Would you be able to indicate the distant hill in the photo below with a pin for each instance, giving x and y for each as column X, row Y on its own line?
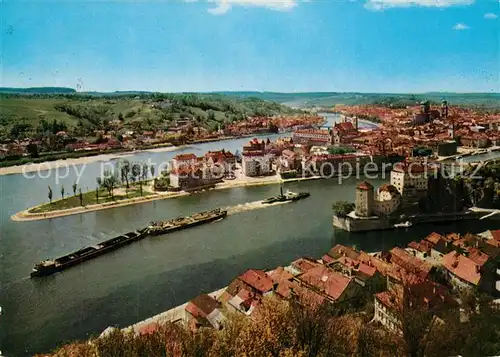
column 329, row 99
column 37, row 90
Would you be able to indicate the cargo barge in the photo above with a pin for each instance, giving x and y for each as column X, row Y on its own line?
column 49, row 267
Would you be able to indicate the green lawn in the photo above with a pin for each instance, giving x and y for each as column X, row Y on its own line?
column 88, row 198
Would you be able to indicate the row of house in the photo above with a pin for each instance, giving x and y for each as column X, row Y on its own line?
column 187, row 171
column 424, row 276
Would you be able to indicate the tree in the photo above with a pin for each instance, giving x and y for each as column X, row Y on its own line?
column 50, row 194
column 125, row 171
column 32, row 149
column 145, row 170
column 136, row 172
column 342, row 208
column 74, row 188
column 109, row 182
column 62, row 192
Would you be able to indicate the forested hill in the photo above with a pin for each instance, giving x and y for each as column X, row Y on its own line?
column 38, row 90
column 138, row 111
column 329, row 99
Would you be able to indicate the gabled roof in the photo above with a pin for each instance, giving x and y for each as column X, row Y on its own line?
column 305, row 264
column 202, row 305
column 258, row 280
column 280, row 274
column 364, row 185
column 410, row 263
column 434, row 238
column 185, row 157
column 327, row 281
column 462, row 267
column 343, row 250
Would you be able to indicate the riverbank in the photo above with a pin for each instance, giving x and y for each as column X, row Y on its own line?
column 84, row 160
column 375, row 223
column 26, row 215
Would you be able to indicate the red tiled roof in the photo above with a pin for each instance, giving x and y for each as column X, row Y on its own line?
column 410, row 263
column 364, row 185
column 495, row 234
column 202, row 305
column 326, row 280
column 344, row 126
column 462, row 267
column 358, row 266
column 423, row 246
column 477, row 256
column 258, row 280
column 434, row 238
column 280, row 274
column 305, row 264
column 342, row 250
column 149, row 328
column 185, row 157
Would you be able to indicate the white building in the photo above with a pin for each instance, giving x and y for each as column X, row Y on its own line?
column 388, row 200
column 409, row 177
column 257, row 164
column 183, row 161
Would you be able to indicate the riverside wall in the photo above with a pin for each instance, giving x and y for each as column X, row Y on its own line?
column 379, row 223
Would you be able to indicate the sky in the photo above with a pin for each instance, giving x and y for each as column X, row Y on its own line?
column 391, row 46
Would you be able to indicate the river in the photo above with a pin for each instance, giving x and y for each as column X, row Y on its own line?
column 155, row 274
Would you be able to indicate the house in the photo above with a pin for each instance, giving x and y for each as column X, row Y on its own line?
column 224, row 158
column 344, row 132
column 469, row 272
column 343, row 251
column 365, row 274
column 439, row 245
column 183, row 161
column 312, row 137
column 427, row 296
column 256, row 164
column 410, row 264
column 289, row 160
column 204, row 311
column 244, row 293
column 388, row 200
column 332, row 285
column 421, row 249
column 303, row 265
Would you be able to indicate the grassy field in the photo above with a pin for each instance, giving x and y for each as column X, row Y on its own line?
column 88, row 198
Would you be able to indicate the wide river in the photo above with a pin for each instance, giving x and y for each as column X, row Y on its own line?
column 155, row 274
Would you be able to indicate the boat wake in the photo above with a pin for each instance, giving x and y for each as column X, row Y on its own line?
column 250, row 206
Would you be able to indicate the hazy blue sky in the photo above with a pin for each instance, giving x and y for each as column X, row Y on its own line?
column 280, row 45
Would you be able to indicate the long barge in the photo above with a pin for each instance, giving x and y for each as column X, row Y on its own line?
column 49, row 267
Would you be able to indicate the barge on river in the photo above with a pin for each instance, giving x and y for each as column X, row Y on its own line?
column 48, row 267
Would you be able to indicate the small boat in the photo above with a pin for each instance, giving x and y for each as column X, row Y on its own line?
column 403, row 225
column 284, row 197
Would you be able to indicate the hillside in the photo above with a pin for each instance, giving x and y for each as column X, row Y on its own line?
column 139, row 111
